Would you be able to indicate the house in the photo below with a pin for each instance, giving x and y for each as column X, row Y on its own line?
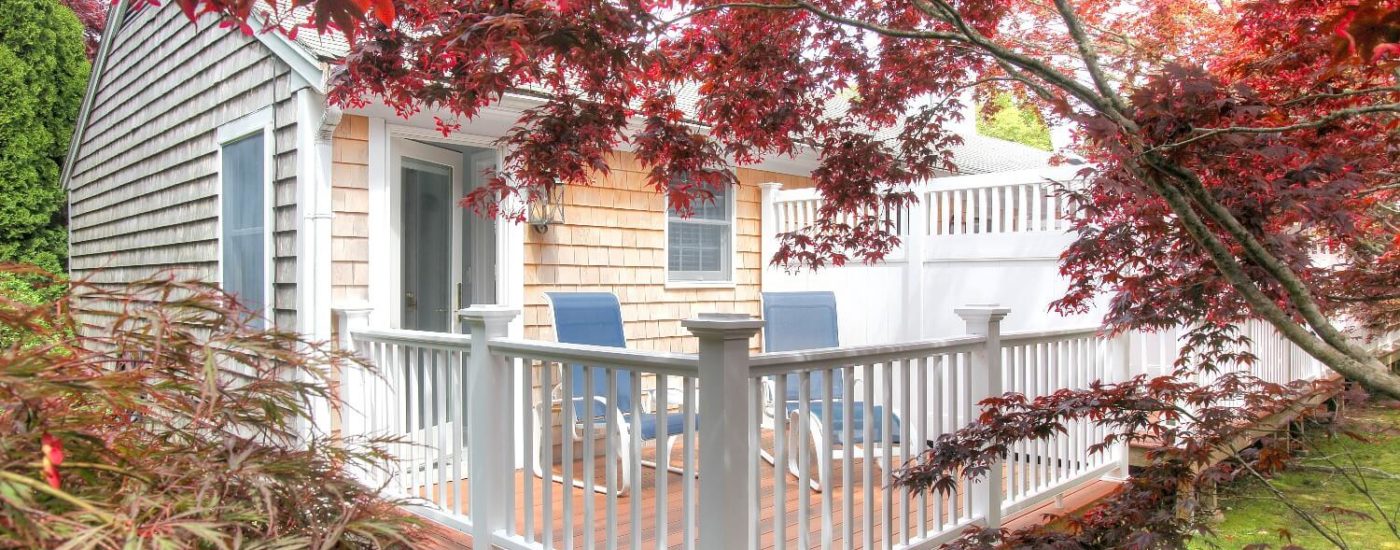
column 215, row 155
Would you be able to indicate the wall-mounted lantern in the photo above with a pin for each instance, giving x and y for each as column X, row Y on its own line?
column 546, row 209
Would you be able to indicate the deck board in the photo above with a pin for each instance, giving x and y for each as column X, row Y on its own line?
column 904, row 524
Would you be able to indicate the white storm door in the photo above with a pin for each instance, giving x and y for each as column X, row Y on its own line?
column 429, row 225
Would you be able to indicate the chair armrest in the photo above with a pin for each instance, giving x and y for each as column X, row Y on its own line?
column 674, row 397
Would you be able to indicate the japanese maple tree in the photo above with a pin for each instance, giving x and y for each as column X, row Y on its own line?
column 1243, row 153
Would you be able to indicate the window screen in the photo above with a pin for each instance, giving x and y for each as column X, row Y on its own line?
column 698, row 247
column 244, row 222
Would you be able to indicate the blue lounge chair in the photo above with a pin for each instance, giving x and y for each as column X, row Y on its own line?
column 804, row 321
column 595, row 318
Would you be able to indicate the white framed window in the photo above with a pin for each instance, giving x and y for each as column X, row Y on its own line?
column 245, row 212
column 700, row 248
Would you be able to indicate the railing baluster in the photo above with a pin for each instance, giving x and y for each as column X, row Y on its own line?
column 590, row 455
column 755, row 397
column 867, row 448
column 688, row 503
column 507, row 471
column 610, row 442
column 828, row 446
column 804, row 458
column 546, row 467
column 527, row 419
column 568, row 427
column 906, row 446
column 635, row 450
column 663, row 463
column 927, row 373
column 780, row 461
column 1013, row 383
column 886, row 437
column 848, row 395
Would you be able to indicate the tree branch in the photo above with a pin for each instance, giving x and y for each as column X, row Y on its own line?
column 1339, row 95
column 1316, row 123
column 1293, row 285
column 1089, row 56
column 729, row 5
column 1373, row 378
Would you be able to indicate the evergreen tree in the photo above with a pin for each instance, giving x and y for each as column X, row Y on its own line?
column 43, row 74
column 1007, row 119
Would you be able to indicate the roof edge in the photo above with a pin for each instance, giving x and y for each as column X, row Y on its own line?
column 305, row 65
column 104, row 47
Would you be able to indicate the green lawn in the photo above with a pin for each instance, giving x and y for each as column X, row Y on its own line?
column 1252, row 515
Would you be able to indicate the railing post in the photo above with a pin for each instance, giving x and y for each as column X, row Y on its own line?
column 489, row 437
column 725, row 453
column 352, row 381
column 985, row 377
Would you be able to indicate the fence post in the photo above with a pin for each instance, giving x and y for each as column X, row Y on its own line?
column 725, row 452
column 768, row 224
column 489, row 436
column 985, row 376
column 914, row 267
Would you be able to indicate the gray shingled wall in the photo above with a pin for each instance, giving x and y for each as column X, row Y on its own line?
column 144, row 183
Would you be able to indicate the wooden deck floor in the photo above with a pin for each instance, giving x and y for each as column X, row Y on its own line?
column 907, row 517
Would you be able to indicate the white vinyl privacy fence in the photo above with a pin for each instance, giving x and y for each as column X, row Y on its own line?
column 988, row 238
column 532, row 444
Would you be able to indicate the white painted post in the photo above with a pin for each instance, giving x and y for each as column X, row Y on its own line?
column 352, row 395
column 985, row 376
column 768, row 221
column 491, row 468
column 914, row 268
column 725, row 449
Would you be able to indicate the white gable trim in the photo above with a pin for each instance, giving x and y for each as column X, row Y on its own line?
column 114, row 18
column 305, row 66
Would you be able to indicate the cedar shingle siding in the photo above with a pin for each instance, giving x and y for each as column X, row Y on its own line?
column 144, row 182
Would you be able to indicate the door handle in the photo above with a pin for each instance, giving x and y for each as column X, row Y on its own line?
column 460, row 303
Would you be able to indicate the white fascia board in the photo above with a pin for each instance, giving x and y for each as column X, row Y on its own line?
column 309, row 70
column 114, row 17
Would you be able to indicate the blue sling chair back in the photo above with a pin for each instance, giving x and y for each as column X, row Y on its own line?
column 804, row 321
column 595, row 318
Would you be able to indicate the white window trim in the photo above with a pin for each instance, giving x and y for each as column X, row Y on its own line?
column 260, row 121
column 732, row 280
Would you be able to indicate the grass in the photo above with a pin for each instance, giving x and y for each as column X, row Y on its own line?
column 1253, row 516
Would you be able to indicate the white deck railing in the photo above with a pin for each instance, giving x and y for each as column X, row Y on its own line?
column 534, row 444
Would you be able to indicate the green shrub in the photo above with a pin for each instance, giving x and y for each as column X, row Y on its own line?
column 164, row 422
column 43, row 75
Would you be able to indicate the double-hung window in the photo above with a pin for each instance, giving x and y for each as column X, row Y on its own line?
column 243, row 217
column 699, row 248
